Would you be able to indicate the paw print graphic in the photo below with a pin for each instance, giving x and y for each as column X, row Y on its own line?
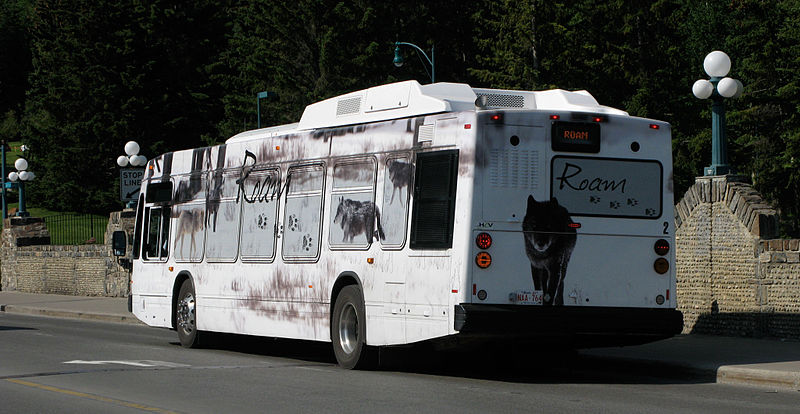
column 614, row 204
column 262, row 221
column 594, row 200
column 307, row 242
column 633, row 202
column 650, row 212
column 294, row 223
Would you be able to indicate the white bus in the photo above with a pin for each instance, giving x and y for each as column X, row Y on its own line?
column 406, row 213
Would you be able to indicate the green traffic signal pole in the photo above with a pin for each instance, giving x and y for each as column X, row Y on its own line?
column 719, row 143
column 398, row 58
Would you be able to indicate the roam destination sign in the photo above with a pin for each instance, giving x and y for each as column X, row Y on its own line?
column 130, row 181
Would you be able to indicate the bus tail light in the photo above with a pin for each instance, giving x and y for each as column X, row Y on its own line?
column 661, row 265
column 654, row 126
column 484, row 241
column 497, row 118
column 661, row 247
column 483, row 260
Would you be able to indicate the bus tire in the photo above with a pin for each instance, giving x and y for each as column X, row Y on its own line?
column 186, row 316
column 349, row 332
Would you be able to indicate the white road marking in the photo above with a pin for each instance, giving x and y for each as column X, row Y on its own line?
column 139, row 363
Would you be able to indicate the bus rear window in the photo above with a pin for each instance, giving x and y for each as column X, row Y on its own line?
column 607, row 187
column 159, row 192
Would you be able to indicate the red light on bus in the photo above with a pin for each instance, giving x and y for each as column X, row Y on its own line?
column 574, row 225
column 661, row 247
column 496, row 117
column 484, row 241
column 555, row 117
column 467, row 126
column 599, row 119
column 654, row 126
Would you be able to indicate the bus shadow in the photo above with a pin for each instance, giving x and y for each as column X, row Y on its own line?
column 542, row 365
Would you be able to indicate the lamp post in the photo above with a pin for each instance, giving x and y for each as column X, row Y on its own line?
column 398, row 57
column 717, row 64
column 20, row 177
column 134, row 160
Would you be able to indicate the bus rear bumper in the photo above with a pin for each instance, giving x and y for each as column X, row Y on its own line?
column 576, row 326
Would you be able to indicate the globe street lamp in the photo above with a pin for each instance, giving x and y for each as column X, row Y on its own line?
column 133, row 158
column 20, row 177
column 717, row 65
column 398, row 57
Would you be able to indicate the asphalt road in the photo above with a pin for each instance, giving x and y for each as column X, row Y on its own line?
column 65, row 366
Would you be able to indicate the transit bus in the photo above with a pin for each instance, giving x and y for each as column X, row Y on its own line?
column 406, row 213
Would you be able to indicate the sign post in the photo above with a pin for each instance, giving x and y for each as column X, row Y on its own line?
column 130, row 182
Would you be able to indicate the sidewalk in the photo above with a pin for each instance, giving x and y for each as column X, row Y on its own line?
column 756, row 362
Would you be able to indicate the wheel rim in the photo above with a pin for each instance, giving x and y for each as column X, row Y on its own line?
column 348, row 328
column 186, row 314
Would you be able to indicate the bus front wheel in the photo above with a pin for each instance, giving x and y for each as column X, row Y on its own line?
column 348, row 332
column 186, row 315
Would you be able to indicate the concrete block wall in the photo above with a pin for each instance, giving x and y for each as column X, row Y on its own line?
column 734, row 278
column 82, row 270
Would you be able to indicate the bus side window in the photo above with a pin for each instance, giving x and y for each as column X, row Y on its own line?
column 259, row 194
column 432, row 217
column 301, row 220
column 396, row 185
column 222, row 209
column 353, row 217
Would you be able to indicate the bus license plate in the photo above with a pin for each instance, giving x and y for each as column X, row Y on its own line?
column 527, row 297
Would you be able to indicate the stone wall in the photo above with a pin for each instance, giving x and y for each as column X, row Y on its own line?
column 83, row 270
column 733, row 277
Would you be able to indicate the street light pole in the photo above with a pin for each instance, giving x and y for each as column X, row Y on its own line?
column 717, row 64
column 398, row 57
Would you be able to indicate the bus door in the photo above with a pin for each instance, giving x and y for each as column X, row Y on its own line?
column 156, row 232
column 513, row 169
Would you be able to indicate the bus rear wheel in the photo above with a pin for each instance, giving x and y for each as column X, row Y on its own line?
column 349, row 332
column 186, row 316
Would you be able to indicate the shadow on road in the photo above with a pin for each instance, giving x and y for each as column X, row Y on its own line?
column 495, row 363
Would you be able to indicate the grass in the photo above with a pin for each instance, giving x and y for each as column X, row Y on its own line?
column 71, row 228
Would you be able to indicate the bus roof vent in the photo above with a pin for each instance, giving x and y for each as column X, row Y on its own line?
column 348, row 106
column 498, row 100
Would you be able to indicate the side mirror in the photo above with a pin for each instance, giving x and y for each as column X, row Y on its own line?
column 119, row 243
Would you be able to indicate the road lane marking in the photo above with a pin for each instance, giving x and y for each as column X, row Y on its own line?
column 138, row 363
column 89, row 396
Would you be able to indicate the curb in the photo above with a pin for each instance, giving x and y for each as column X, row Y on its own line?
column 102, row 317
column 738, row 375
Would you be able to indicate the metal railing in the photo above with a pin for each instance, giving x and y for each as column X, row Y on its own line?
column 71, row 229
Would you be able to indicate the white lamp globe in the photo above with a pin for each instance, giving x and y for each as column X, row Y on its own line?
column 739, row 88
column 131, row 148
column 727, row 87
column 13, row 176
column 24, row 175
column 31, row 175
column 20, row 164
column 138, row 160
column 702, row 89
column 122, row 161
column 717, row 64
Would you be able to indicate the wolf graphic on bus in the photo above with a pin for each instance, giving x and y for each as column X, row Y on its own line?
column 549, row 241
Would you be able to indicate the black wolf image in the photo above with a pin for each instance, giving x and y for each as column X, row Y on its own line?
column 358, row 217
column 400, row 176
column 549, row 241
column 190, row 222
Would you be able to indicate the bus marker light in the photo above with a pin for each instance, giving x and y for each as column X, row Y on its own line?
column 555, row 117
column 483, row 260
column 467, row 126
column 311, row 286
column 484, row 241
column 370, row 260
column 170, row 268
column 574, row 225
column 454, row 290
column 277, row 148
column 667, row 294
column 497, row 117
column 661, row 265
column 661, row 247
column 474, row 288
column 654, row 126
